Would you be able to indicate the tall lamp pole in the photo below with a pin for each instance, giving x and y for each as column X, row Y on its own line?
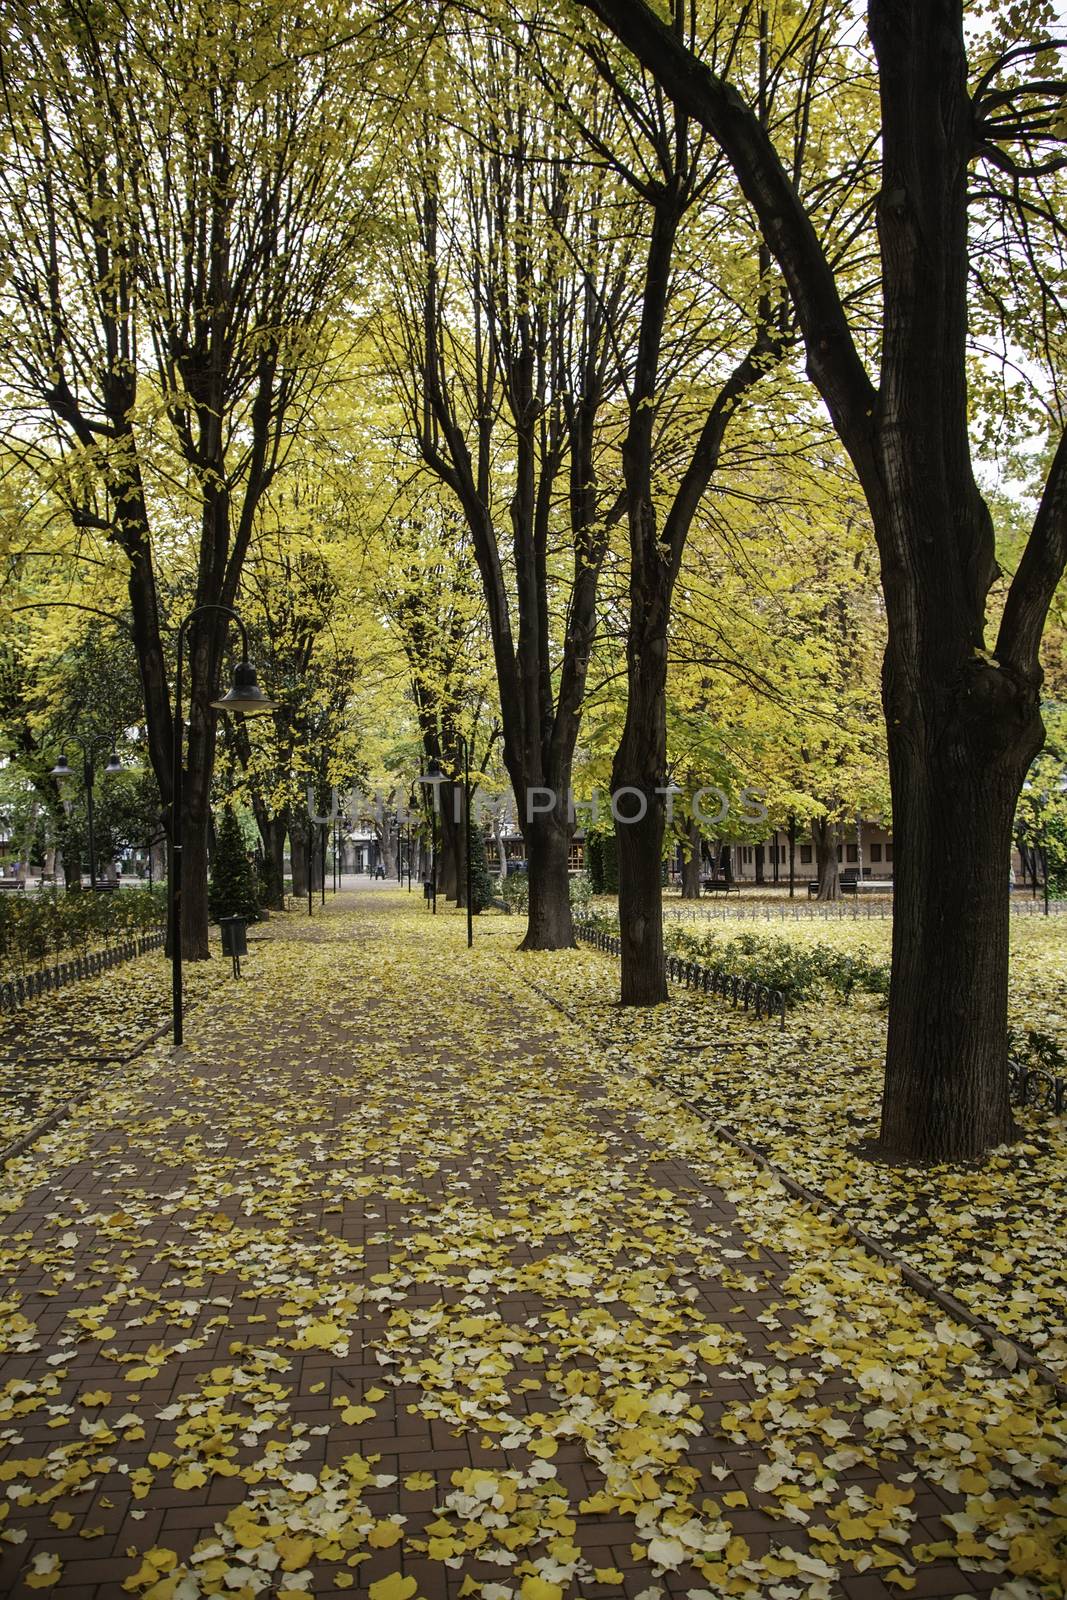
column 62, row 771
column 244, row 695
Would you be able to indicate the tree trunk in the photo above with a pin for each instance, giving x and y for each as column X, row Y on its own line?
column 946, row 1083
column 550, row 925
column 760, row 875
column 824, row 836
column 157, row 856
column 454, row 837
column 69, row 850
column 498, row 836
column 195, row 945
column 298, row 860
column 272, row 831
column 640, row 765
column 388, row 847
column 644, row 972
column 447, row 866
column 274, row 856
column 692, row 864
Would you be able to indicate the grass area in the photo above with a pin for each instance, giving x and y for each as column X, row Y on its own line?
column 990, row 1234
column 57, row 1046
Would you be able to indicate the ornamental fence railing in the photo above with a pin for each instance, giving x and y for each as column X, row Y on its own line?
column 1037, row 1087
column 827, row 911
column 744, row 992
column 15, row 992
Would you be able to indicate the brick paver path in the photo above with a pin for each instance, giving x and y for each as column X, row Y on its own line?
column 393, row 1283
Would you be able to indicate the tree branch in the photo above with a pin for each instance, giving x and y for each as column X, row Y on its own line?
column 1038, row 574
column 832, row 358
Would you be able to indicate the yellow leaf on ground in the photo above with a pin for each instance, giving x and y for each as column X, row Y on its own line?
column 394, row 1587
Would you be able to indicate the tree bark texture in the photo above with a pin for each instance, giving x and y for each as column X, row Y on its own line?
column 298, row 859
column 825, row 835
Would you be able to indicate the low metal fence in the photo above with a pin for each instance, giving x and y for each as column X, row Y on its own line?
column 744, row 992
column 784, row 911
column 1037, row 1087
column 17, row 991
column 848, row 910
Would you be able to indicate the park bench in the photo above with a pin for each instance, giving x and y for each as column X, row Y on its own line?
column 851, row 884
column 12, row 883
column 718, row 886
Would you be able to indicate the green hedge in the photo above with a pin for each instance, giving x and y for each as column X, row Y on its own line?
column 602, row 863
column 39, row 929
column 801, row 972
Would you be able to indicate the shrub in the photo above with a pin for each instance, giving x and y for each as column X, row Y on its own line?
column 799, row 971
column 581, row 891
column 482, row 891
column 602, row 863
column 233, row 890
column 38, row 929
column 517, row 892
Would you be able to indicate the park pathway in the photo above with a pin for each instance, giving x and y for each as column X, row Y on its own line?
column 394, row 1283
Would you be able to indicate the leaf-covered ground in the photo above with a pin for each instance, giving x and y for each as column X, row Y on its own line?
column 992, row 1235
column 397, row 1282
column 56, row 1047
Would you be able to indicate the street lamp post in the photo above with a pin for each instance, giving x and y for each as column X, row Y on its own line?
column 244, row 695
column 63, row 771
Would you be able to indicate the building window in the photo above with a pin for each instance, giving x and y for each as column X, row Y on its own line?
column 852, row 852
column 839, row 852
column 805, row 855
column 746, row 853
column 876, row 852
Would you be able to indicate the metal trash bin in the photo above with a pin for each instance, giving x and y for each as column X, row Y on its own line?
column 234, row 932
column 427, row 889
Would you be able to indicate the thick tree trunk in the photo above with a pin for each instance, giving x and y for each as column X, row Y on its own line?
column 956, row 767
column 760, row 862
column 824, row 836
column 195, row 945
column 644, row 972
column 691, row 867
column 550, row 925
